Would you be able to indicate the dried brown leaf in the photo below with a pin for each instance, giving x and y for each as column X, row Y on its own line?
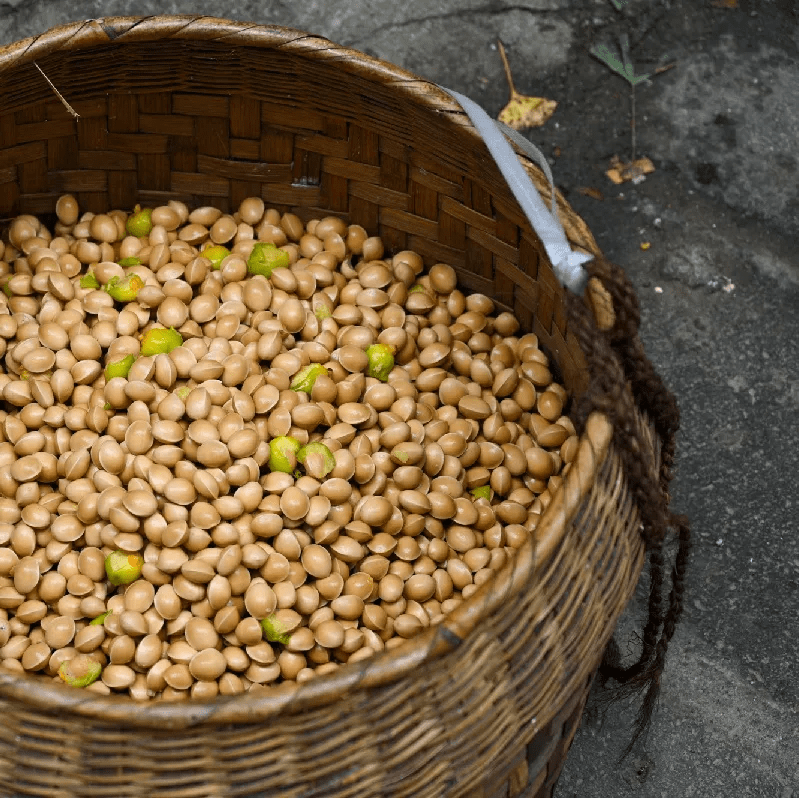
column 590, row 191
column 621, row 172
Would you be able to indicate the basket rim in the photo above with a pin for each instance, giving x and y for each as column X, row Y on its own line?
column 85, row 34
column 388, row 666
column 90, row 33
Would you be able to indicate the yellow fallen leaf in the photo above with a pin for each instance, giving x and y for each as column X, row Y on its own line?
column 523, row 112
column 645, row 245
column 621, row 172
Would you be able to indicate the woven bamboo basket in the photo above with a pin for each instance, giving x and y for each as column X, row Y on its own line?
column 210, row 112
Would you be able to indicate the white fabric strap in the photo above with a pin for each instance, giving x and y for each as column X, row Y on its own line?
column 566, row 262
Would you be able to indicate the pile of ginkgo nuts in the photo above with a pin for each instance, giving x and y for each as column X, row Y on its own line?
column 239, row 450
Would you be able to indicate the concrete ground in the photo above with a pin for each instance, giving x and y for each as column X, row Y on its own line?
column 719, row 285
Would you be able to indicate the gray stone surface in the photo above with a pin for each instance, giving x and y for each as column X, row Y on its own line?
column 719, row 287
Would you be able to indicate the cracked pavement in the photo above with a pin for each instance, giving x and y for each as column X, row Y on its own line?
column 719, row 289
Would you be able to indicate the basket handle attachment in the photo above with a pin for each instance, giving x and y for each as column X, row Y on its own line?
column 622, row 377
column 566, row 262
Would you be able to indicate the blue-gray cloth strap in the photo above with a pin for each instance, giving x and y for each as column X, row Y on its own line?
column 566, row 262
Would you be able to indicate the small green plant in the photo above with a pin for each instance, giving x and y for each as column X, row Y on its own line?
column 623, row 67
column 618, row 4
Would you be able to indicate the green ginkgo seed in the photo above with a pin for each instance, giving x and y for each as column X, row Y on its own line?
column 265, row 258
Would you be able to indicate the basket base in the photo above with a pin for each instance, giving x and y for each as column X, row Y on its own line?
column 537, row 768
column 544, row 765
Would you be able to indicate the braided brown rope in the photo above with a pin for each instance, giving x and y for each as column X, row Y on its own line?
column 616, row 359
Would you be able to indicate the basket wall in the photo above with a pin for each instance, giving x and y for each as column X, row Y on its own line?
column 211, row 112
